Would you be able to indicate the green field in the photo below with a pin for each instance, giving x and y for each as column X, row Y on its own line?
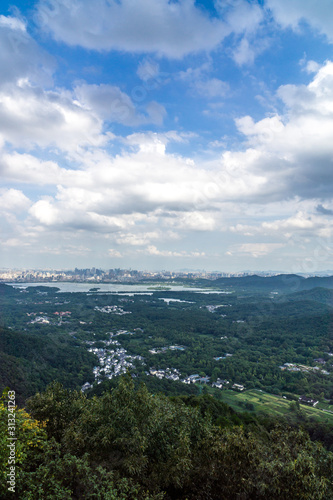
column 271, row 404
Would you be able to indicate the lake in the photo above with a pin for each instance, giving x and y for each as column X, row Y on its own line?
column 122, row 288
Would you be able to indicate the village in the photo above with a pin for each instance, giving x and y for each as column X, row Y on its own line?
column 114, row 361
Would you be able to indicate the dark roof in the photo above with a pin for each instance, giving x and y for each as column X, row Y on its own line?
column 306, row 399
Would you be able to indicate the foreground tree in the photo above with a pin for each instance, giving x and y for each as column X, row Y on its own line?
column 130, row 444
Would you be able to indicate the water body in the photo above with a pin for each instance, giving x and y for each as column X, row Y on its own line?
column 175, row 300
column 120, row 288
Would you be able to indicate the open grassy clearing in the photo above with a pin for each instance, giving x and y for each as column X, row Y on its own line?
column 271, row 404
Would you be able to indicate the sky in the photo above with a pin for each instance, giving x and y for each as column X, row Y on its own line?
column 158, row 134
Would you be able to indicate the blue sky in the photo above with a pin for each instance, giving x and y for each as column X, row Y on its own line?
column 159, row 134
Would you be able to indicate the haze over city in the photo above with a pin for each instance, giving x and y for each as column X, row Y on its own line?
column 167, row 135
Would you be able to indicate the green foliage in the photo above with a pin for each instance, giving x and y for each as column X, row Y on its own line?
column 43, row 468
column 28, row 362
column 67, row 476
column 161, row 445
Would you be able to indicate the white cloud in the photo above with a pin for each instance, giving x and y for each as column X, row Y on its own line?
column 20, row 55
column 15, row 242
column 200, row 82
column 294, row 222
column 123, row 198
column 212, row 87
column 12, row 23
column 45, row 212
column 114, row 253
column 291, row 13
column 145, row 184
column 295, row 149
column 68, row 215
column 244, row 53
column 248, row 49
column 254, row 249
column 31, row 116
column 110, row 103
column 138, row 239
column 192, row 221
column 245, row 20
column 311, row 66
column 172, row 29
column 194, row 74
column 148, row 70
column 13, row 200
column 152, row 250
column 240, row 15
column 300, row 221
column 64, row 249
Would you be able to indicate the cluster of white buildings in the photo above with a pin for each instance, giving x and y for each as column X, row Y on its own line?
column 192, row 379
column 168, row 373
column 171, row 348
column 112, row 310
column 220, row 383
column 112, row 362
column 42, row 320
column 293, row 367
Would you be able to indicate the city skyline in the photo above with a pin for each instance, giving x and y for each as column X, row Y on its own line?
column 118, row 275
column 167, row 135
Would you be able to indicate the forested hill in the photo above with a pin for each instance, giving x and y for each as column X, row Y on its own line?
column 28, row 362
column 318, row 294
column 130, row 444
column 287, row 283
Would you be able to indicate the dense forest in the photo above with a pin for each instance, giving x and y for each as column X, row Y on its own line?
column 131, row 444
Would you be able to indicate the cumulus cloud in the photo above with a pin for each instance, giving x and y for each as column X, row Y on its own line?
column 245, row 20
column 20, row 55
column 131, row 194
column 13, row 200
column 171, row 29
column 152, row 250
column 254, row 249
column 70, row 216
column 193, row 221
column 287, row 155
column 300, row 222
column 317, row 14
column 30, row 116
column 295, row 149
column 145, row 184
column 242, row 17
column 138, row 239
column 247, row 50
column 123, row 197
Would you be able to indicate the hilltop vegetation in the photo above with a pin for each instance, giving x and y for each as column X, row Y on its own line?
column 131, row 444
column 30, row 361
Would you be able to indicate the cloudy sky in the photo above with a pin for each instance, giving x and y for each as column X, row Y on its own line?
column 158, row 134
